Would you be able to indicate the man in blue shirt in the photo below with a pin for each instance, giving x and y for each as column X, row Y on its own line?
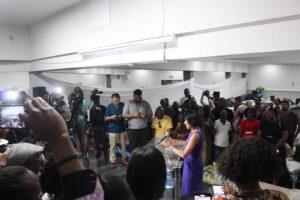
column 116, row 129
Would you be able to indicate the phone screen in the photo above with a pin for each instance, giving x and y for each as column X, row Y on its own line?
column 202, row 198
column 9, row 116
column 218, row 191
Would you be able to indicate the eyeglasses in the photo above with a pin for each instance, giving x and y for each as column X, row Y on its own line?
column 159, row 124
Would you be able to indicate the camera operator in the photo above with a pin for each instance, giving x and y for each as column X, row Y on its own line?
column 188, row 103
column 210, row 102
column 57, row 102
column 79, row 107
column 97, row 121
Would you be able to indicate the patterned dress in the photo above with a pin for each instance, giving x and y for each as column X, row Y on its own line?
column 193, row 167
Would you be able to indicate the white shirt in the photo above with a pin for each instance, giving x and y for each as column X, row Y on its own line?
column 222, row 135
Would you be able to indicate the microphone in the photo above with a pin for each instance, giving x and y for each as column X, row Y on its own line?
column 165, row 137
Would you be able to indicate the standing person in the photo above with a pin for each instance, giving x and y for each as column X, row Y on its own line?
column 164, row 103
column 116, row 129
column 219, row 106
column 137, row 111
column 193, row 154
column 258, row 108
column 162, row 124
column 249, row 127
column 78, row 101
column 175, row 113
column 290, row 121
column 188, row 103
column 275, row 135
column 222, row 127
column 97, row 120
column 209, row 137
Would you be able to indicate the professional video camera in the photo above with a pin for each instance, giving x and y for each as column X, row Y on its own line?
column 56, row 101
column 94, row 94
column 75, row 99
column 206, row 93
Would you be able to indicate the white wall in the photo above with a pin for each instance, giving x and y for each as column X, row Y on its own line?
column 14, row 43
column 14, row 80
column 278, row 80
column 208, row 78
column 133, row 79
column 146, row 78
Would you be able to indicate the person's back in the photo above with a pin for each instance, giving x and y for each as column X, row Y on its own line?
column 146, row 173
column 18, row 183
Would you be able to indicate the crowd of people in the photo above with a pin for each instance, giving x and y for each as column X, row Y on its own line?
column 249, row 143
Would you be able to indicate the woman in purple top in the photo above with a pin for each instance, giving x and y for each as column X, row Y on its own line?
column 193, row 154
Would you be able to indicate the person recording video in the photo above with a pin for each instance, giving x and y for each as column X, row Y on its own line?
column 57, row 102
column 79, row 108
column 206, row 100
column 97, row 121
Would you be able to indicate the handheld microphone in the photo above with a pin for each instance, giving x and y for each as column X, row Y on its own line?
column 165, row 137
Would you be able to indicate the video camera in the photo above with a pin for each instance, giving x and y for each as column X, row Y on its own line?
column 95, row 93
column 56, row 101
column 206, row 93
column 75, row 98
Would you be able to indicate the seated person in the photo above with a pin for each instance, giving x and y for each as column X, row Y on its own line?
column 146, row 173
column 246, row 162
column 162, row 124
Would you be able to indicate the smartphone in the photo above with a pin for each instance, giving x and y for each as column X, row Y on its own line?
column 218, row 191
column 9, row 116
column 202, row 196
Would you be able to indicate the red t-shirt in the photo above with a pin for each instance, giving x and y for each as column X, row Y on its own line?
column 249, row 128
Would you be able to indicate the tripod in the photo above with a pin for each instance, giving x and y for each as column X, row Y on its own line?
column 79, row 133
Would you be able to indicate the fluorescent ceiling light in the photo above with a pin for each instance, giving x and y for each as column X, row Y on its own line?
column 138, row 43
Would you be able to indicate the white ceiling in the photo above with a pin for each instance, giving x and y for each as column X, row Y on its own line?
column 288, row 58
column 26, row 12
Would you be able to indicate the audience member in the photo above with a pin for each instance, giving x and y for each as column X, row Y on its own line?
column 273, row 133
column 209, row 137
column 164, row 103
column 290, row 121
column 188, row 103
column 249, row 127
column 115, row 188
column 208, row 102
column 138, row 112
column 162, row 124
column 116, row 129
column 219, row 106
column 175, row 114
column 258, row 108
column 221, row 140
column 180, row 132
column 146, row 173
column 19, row 183
column 26, row 155
column 193, row 154
column 77, row 181
column 246, row 162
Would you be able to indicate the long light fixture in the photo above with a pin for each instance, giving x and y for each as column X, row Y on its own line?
column 137, row 43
